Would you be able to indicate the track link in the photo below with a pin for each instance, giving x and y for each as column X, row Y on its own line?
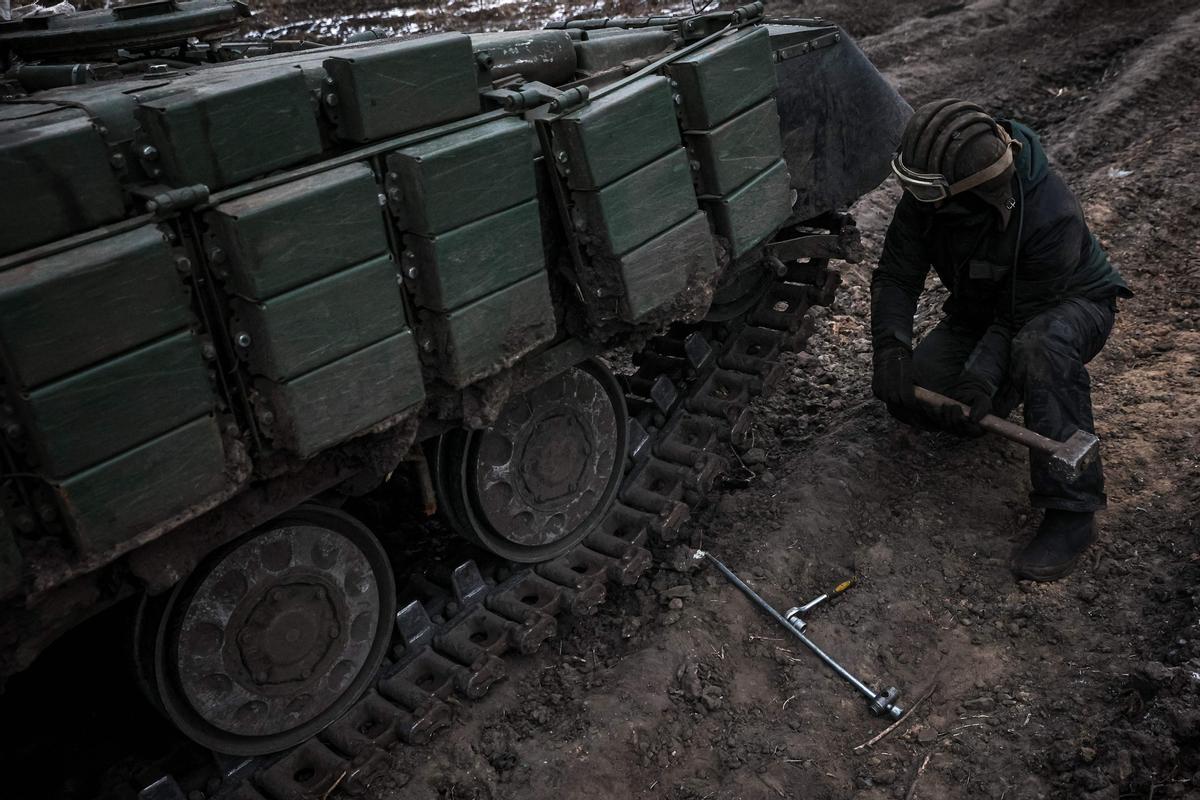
column 688, row 400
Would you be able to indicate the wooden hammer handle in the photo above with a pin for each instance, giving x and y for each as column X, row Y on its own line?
column 990, row 422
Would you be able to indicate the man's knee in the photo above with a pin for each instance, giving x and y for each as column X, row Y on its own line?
column 1045, row 348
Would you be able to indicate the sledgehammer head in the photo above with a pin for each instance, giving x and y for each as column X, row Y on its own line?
column 1073, row 456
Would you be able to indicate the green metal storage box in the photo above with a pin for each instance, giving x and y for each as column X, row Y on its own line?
column 49, row 163
column 482, row 337
column 617, row 133
column 92, row 415
column 220, row 129
column 386, row 89
column 67, row 311
column 753, row 212
column 725, row 78
column 738, row 150
column 665, row 268
column 639, row 206
column 464, row 264
column 451, row 180
column 300, row 330
column 281, row 238
column 347, row 396
column 145, row 486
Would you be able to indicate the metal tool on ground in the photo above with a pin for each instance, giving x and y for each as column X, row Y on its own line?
column 820, row 599
column 880, row 703
column 1068, row 458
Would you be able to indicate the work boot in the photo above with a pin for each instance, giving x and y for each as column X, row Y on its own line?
column 1060, row 541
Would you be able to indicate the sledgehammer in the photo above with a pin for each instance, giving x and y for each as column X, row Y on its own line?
column 1067, row 458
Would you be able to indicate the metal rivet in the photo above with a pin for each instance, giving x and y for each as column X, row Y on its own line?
column 149, row 152
column 242, row 339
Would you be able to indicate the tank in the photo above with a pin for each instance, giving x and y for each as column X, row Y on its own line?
column 261, row 300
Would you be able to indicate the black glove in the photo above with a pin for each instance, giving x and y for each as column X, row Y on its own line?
column 972, row 391
column 893, row 379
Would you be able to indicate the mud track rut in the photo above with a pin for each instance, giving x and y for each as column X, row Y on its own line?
column 688, row 399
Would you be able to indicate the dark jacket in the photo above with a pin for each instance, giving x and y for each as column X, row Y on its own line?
column 973, row 254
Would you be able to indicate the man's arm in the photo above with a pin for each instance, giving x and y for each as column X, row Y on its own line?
column 899, row 279
column 1050, row 251
column 895, row 287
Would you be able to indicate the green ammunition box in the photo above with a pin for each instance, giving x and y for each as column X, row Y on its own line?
column 70, row 310
column 664, row 268
column 386, row 89
column 609, row 48
column 123, row 496
column 639, row 206
column 281, row 238
column 347, row 396
column 735, row 151
column 725, row 78
column 615, row 134
column 467, row 263
column 94, row 414
column 452, row 180
column 300, row 330
column 49, row 163
column 221, row 132
column 753, row 212
column 491, row 333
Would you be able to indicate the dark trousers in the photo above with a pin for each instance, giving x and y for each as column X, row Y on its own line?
column 1046, row 374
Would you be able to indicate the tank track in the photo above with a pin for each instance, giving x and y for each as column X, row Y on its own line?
column 689, row 396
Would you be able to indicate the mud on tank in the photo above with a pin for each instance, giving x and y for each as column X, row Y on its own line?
column 247, row 288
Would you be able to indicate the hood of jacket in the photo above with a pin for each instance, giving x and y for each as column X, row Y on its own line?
column 1031, row 162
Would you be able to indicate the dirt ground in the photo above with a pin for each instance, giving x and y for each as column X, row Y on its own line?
column 1089, row 687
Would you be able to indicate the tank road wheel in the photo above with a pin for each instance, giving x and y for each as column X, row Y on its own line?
column 737, row 291
column 275, row 635
column 531, row 486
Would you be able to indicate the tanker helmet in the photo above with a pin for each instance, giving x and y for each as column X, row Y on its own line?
column 951, row 146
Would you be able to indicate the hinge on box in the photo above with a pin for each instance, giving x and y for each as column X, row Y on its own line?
column 162, row 201
column 532, row 95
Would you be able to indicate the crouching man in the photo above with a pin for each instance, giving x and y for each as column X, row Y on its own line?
column 1032, row 300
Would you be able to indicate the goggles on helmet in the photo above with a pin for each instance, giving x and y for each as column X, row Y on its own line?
column 930, row 188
